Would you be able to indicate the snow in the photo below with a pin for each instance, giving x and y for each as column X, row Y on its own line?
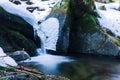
column 50, row 32
column 41, row 10
column 17, row 10
column 31, row 18
column 110, row 18
column 4, row 59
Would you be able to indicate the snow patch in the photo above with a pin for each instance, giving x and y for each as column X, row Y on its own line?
column 4, row 59
column 109, row 18
column 50, row 30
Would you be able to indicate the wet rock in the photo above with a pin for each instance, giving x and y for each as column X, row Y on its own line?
column 24, row 0
column 15, row 33
column 31, row 9
column 102, row 1
column 17, row 2
column 102, row 7
column 29, row 2
column 85, row 35
column 19, row 55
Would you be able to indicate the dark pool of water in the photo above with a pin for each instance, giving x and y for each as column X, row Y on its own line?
column 82, row 67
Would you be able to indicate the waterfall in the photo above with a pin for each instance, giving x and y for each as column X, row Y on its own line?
column 47, row 31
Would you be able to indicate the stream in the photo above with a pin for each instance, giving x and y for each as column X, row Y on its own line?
column 84, row 67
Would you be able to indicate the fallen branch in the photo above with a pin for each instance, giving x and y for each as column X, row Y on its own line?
column 26, row 70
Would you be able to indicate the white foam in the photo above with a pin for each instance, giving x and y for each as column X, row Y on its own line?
column 49, row 62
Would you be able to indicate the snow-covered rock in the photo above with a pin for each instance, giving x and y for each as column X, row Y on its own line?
column 4, row 59
column 50, row 28
column 40, row 10
column 109, row 18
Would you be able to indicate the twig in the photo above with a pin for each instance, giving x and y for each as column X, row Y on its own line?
column 23, row 56
column 26, row 70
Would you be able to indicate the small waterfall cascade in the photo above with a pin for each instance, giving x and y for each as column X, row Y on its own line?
column 48, row 30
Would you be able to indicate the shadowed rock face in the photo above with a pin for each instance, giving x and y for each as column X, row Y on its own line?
column 85, row 36
column 15, row 33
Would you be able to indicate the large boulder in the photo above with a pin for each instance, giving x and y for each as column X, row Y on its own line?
column 15, row 33
column 85, row 35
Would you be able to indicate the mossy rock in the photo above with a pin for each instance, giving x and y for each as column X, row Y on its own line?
column 12, row 40
column 16, row 34
column 85, row 35
column 64, row 5
column 16, row 23
column 88, row 23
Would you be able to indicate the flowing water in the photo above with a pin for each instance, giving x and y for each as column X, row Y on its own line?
column 80, row 68
column 84, row 67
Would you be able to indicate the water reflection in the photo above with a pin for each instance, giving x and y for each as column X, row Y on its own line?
column 48, row 63
column 81, row 68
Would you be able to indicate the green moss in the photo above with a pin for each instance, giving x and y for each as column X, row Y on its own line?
column 69, row 18
column 26, row 74
column 63, row 6
column 115, row 40
column 13, row 41
column 81, row 15
column 15, row 33
column 88, row 23
column 56, row 7
column 89, row 2
column 113, row 0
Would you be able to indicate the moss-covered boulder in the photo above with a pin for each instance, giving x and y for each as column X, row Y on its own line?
column 15, row 33
column 85, row 35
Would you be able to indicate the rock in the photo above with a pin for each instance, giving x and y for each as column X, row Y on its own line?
column 16, row 34
column 29, row 2
column 17, row 2
column 102, row 7
column 119, row 8
column 31, row 9
column 85, row 35
column 20, row 55
column 102, row 1
column 26, row 73
column 98, row 43
column 23, row 0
